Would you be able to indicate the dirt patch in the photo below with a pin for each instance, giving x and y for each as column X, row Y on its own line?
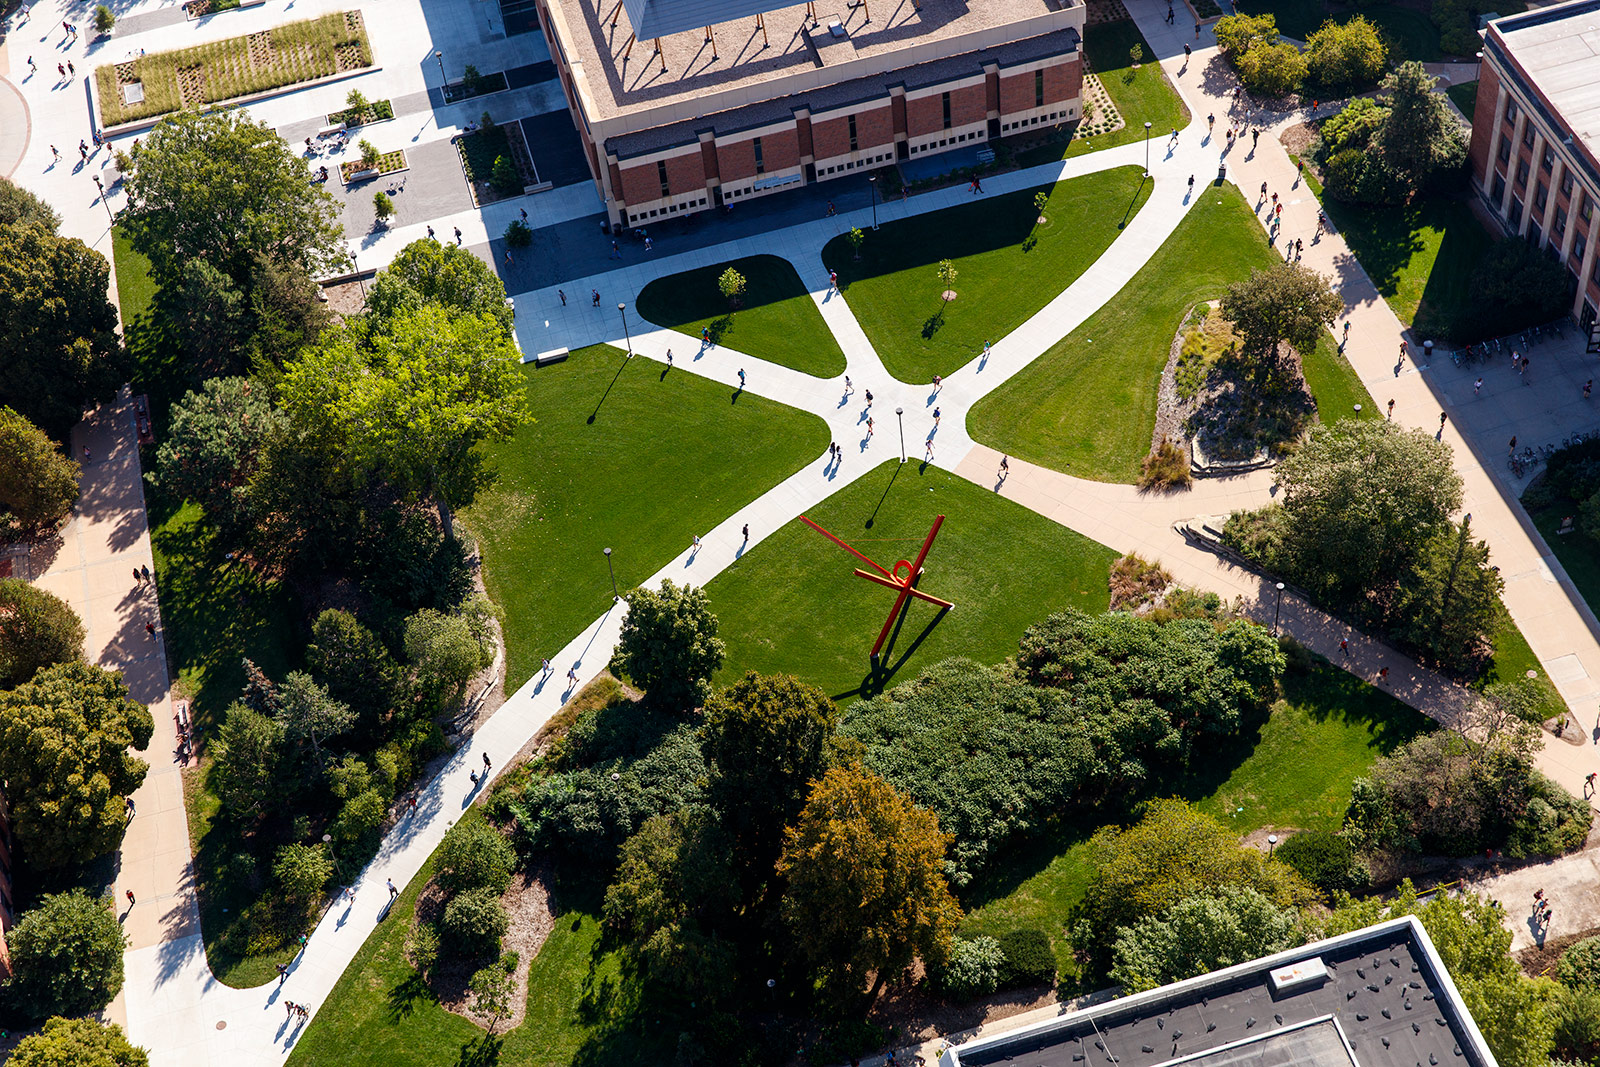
column 1171, row 411
column 1539, row 961
column 527, row 903
column 1257, row 839
column 915, row 1016
column 1297, row 139
column 346, row 298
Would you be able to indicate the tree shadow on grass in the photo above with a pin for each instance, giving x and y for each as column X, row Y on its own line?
column 481, row 1052
column 1384, row 238
column 931, row 325
column 407, row 995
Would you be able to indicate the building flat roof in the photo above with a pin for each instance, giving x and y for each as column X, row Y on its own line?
column 1558, row 49
column 1385, row 1001
column 623, row 80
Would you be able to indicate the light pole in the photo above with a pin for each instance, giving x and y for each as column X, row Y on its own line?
column 622, row 309
column 1276, row 608
column 613, row 571
column 900, row 416
column 872, row 180
column 327, row 839
column 98, row 185
column 1147, row 150
column 1272, row 845
column 444, row 81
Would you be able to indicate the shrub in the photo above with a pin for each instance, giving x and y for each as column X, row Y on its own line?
column 1135, row 581
column 1576, row 1014
column 519, row 234
column 67, row 956
column 1579, row 966
column 1350, row 55
column 1272, row 69
column 973, row 969
column 1165, row 468
column 1553, row 822
column 474, row 923
column 382, row 206
column 423, row 947
column 1353, row 125
column 473, row 855
column 369, row 153
column 504, row 176
column 302, row 871
column 1029, row 959
column 359, row 820
column 1202, row 933
column 1327, row 861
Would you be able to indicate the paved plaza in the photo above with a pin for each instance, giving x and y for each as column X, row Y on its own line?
column 171, row 1004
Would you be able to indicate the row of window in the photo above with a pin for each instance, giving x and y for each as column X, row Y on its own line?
column 855, row 163
column 1558, row 226
column 1054, row 116
column 945, row 142
column 671, row 209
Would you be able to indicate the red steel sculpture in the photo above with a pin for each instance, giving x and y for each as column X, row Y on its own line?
column 902, row 577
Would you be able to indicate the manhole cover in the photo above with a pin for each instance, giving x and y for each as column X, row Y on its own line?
column 133, row 92
column 222, row 1024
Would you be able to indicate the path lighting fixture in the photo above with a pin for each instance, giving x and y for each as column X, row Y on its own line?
column 614, row 596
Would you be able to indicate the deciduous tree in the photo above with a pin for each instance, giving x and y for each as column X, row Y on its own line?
column 212, row 448
column 1200, row 934
column 38, row 484
column 80, row 1043
column 64, row 741
column 301, row 871
column 669, row 645
column 866, row 890
column 37, row 629
column 19, row 207
column 1346, row 55
column 1283, row 305
column 433, row 272
column 473, row 855
column 67, row 956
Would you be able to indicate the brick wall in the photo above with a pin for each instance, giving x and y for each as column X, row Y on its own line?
column 736, row 160
column 831, row 137
column 924, row 115
column 640, row 183
column 686, row 172
column 1483, row 121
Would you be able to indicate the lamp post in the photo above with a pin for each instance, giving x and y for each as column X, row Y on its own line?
column 444, row 81
column 900, row 417
column 1276, row 608
column 1147, row 150
column 872, row 180
column 100, row 186
column 327, row 839
column 613, row 571
column 622, row 309
column 1272, row 845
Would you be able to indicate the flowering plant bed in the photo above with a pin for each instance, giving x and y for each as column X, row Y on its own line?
column 388, row 163
column 375, row 111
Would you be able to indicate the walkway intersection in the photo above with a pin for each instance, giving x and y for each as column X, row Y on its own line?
column 173, row 1005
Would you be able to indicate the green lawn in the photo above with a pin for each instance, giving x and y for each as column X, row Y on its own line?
column 1088, row 404
column 1410, row 33
column 1513, row 659
column 1009, row 267
column 1322, row 735
column 667, row 455
column 382, row 1015
column 1335, row 384
column 793, row 605
column 1143, row 95
column 1465, row 95
column 777, row 319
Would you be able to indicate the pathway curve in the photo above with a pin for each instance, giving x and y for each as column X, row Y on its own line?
column 178, row 1011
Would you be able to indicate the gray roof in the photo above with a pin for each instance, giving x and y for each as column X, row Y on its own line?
column 659, row 18
column 1559, row 48
column 1386, row 1001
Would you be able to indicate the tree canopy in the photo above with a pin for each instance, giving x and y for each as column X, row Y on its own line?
column 213, row 445
column 64, row 740
column 59, row 351
column 79, row 1043
column 1202, row 933
column 245, row 755
column 866, row 889
column 19, row 207
column 37, row 629
column 1419, row 134
column 433, row 272
column 38, row 483
column 669, row 645
column 1346, row 55
column 67, row 955
column 222, row 187
column 1283, row 305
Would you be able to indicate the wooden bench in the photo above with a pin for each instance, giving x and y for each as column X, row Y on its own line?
column 555, row 355
column 329, row 131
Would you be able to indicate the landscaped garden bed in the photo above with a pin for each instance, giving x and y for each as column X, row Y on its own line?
column 386, row 163
column 482, row 152
column 224, row 70
column 372, row 111
column 474, row 84
column 199, row 9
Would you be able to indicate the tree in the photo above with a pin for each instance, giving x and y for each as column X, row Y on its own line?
column 64, row 740
column 38, row 484
column 19, row 207
column 1449, row 604
column 947, row 280
column 1237, row 34
column 207, row 311
column 855, row 237
column 1283, row 305
column 434, row 272
column 731, row 284
column 1347, row 55
column 382, row 206
column 218, row 186
column 245, row 756
column 1353, row 125
column 1200, row 934
column 447, row 650
column 1361, row 499
column 104, row 19
column 1272, row 69
column 307, row 711
column 766, row 739
column 1041, row 200
column 866, row 890
column 356, row 105
column 355, row 666
column 301, row 871
column 1516, row 283
column 213, row 447
column 59, row 351
column 504, row 176
column 37, row 630
column 80, row 1043
column 67, row 955
column 1419, row 135
column 473, row 855
column 491, row 988
column 669, row 645
column 369, row 153
column 474, row 922
column 413, row 405
column 1171, row 854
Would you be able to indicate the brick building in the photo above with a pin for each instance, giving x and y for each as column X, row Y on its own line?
column 677, row 116
column 1536, row 137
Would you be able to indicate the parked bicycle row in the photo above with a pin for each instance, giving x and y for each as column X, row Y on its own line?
column 1505, row 347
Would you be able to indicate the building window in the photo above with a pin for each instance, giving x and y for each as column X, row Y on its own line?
column 1515, row 214
column 1527, row 135
column 1580, row 242
column 761, row 164
column 946, row 99
column 1511, row 111
column 661, row 172
column 1499, row 192
column 1549, row 159
column 1595, row 273
column 1587, row 210
column 1559, row 226
column 1566, row 184
column 1522, row 172
column 1541, row 197
column 852, row 121
column 1038, row 88
column 1505, row 150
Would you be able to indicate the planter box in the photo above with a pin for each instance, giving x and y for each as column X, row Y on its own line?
column 362, row 175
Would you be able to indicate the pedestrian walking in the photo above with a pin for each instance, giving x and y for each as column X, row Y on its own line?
column 1299, row 246
column 938, row 383
column 509, row 260
column 694, row 550
column 936, row 416
column 545, row 666
column 649, row 244
column 562, row 293
column 431, row 236
column 1391, row 405
column 83, row 153
column 486, row 763
column 524, row 214
column 1344, row 645
column 288, row 1009
column 54, row 151
column 71, row 70
column 986, row 346
column 283, row 973
column 1186, row 53
column 929, row 449
column 1211, row 122
column 833, row 280
column 1477, row 387
column 869, row 398
column 86, row 454
column 1005, row 465
column 705, row 334
column 474, row 776
column 458, row 233
column 1191, row 183
column 393, row 892
column 1538, row 895
column 129, row 895
column 137, row 577
column 741, row 377
column 594, row 297
column 572, row 676
column 1589, row 780
column 1383, row 673
column 1587, row 386
column 1525, row 379
column 1442, row 418
column 27, row 12
column 33, row 68
column 848, row 388
column 150, row 628
column 1255, row 136
column 831, row 210
column 1347, row 329
column 1196, row 37
column 1513, row 448
column 669, row 357
column 146, row 572
column 616, row 250
column 869, row 426
column 746, row 532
